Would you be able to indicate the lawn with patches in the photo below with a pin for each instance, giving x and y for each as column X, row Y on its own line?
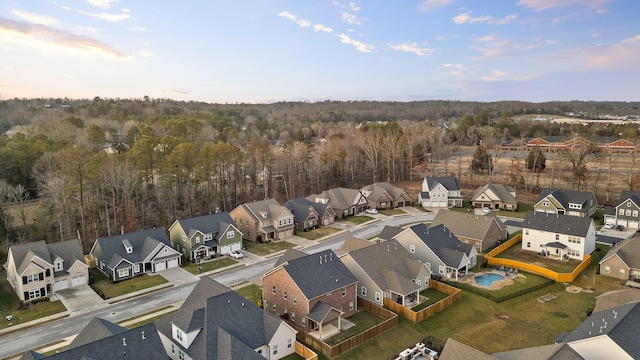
column 210, row 265
column 516, row 253
column 395, row 211
column 262, row 249
column 9, row 303
column 251, row 292
column 108, row 289
column 358, row 219
column 419, row 207
column 363, row 320
column 318, row 233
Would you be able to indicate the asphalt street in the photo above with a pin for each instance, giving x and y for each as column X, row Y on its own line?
column 32, row 338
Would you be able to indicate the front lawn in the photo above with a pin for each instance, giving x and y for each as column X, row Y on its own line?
column 262, row 249
column 363, row 321
column 9, row 304
column 357, row 219
column 108, row 289
column 209, row 265
column 318, row 233
column 251, row 292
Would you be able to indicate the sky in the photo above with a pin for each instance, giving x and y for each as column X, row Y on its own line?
column 263, row 51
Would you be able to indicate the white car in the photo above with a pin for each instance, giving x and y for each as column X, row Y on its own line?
column 371, row 211
column 236, row 254
column 486, row 210
column 608, row 226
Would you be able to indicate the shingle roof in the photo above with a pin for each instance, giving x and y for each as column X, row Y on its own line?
column 560, row 351
column 633, row 195
column 300, row 207
column 96, row 329
column 389, row 232
column 565, row 197
column 143, row 243
column 450, row 183
column 69, row 251
column 207, row 224
column 339, row 198
column 319, row 273
column 264, row 210
column 628, row 250
column 23, row 253
column 443, row 243
column 455, row 350
column 353, row 243
column 467, row 225
column 320, row 311
column 503, row 192
column 288, row 255
column 614, row 298
column 557, row 223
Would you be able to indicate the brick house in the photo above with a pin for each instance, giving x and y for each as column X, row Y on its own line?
column 263, row 220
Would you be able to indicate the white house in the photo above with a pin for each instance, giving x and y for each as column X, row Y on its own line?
column 558, row 236
column 440, row 192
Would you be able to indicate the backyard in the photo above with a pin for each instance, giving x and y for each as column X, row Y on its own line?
column 363, row 320
column 516, row 253
column 9, row 303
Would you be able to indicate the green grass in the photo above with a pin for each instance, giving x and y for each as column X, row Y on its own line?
column 293, row 356
column 147, row 321
column 433, row 295
column 318, row 233
column 252, row 292
column 262, row 249
column 523, row 208
column 209, row 265
column 104, row 287
column 362, row 320
column 358, row 219
column 9, row 303
column 419, row 207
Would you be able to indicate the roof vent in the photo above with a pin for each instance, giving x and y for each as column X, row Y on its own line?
column 124, row 342
column 143, row 338
column 243, row 304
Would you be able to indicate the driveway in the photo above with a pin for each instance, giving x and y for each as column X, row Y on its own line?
column 78, row 297
column 178, row 276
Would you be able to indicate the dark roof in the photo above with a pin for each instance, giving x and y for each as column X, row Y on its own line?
column 111, row 249
column 320, row 311
column 22, row 254
column 633, row 195
column 32, row 355
column 69, row 251
column 96, row 329
column 319, row 273
column 443, row 243
column 557, row 223
column 207, row 224
column 289, row 254
column 450, row 183
column 503, row 192
column 565, row 197
column 556, row 244
column 389, row 232
column 628, row 250
column 620, row 324
column 468, row 225
column 300, row 207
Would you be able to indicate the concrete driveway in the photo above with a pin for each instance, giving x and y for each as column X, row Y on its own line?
column 178, row 276
column 78, row 297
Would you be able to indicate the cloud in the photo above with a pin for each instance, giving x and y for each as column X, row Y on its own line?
column 145, row 53
column 138, row 28
column 497, row 75
column 431, row 5
column 320, row 27
column 413, row 48
column 350, row 19
column 360, row 46
column 34, row 18
column 290, row 16
column 496, row 48
column 103, row 4
column 36, row 35
column 107, row 16
column 610, row 56
column 354, row 7
column 454, row 69
column 466, row 18
column 548, row 4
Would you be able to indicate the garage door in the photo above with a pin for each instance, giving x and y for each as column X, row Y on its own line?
column 60, row 285
column 159, row 266
column 78, row 280
column 442, row 204
column 236, row 246
column 173, row 263
column 225, row 249
column 633, row 224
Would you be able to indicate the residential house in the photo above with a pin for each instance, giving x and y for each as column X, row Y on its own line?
column 597, row 143
column 312, row 292
column 345, row 202
column 128, row 255
column 308, row 215
column 567, row 202
column 627, row 212
column 440, row 249
column 440, row 192
column 115, row 343
column 382, row 195
column 215, row 322
column 37, row 269
column 481, row 231
column 455, row 350
column 558, row 236
column 263, row 220
column 623, row 260
column 207, row 236
column 386, row 270
column 495, row 197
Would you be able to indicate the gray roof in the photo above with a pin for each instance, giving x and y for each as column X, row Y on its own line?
column 557, row 223
column 503, row 192
column 270, row 208
column 613, row 298
column 633, row 195
column 96, row 329
column 207, row 224
column 389, row 232
column 301, row 208
column 69, row 251
column 319, row 273
column 353, row 243
column 111, row 249
column 443, row 243
column 450, row 183
column 320, row 311
column 628, row 250
column 565, row 197
column 23, row 253
column 232, row 326
column 560, row 351
column 289, row 254
column 338, row 198
column 32, row 355
column 620, row 324
column 390, row 266
column 381, row 189
column 455, row 350
column 467, row 225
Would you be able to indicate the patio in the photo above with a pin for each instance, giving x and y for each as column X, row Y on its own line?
column 327, row 330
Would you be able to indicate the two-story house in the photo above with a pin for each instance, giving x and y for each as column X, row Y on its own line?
column 567, row 202
column 203, row 237
column 481, row 231
column 305, row 216
column 382, row 195
column 215, row 322
column 627, row 212
column 345, row 202
column 263, row 220
column 558, row 236
column 495, row 197
column 385, row 270
column 37, row 269
column 128, row 255
column 440, row 192
column 623, row 261
column 440, row 249
column 313, row 292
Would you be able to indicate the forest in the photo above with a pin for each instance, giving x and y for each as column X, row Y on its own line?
column 98, row 167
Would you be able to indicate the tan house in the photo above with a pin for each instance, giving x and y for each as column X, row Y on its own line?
column 263, row 221
column 623, row 261
column 481, row 231
column 495, row 197
column 382, row 195
column 38, row 269
column 345, row 202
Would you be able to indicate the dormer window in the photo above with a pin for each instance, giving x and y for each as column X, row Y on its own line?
column 127, row 246
column 263, row 214
column 58, row 264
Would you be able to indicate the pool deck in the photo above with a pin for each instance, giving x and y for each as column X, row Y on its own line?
column 496, row 285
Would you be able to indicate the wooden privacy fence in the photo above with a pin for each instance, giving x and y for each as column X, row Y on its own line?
column 390, row 321
column 305, row 352
column 454, row 293
column 539, row 270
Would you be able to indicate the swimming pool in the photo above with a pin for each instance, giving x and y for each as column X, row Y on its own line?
column 488, row 279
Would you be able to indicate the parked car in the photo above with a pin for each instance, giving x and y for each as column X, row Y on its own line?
column 608, row 226
column 371, row 211
column 236, row 254
column 486, row 210
column 619, row 227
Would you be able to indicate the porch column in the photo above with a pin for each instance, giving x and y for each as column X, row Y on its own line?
column 340, row 323
column 320, row 330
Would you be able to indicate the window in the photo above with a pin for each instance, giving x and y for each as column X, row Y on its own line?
column 377, row 296
column 197, row 239
column 441, row 269
column 351, row 305
column 273, row 290
column 622, row 272
column 545, row 203
column 33, row 294
column 344, row 292
column 284, row 295
column 273, row 307
column 58, row 265
column 184, row 237
column 628, row 212
column 412, row 249
column 574, row 239
column 230, row 234
column 173, row 348
column 363, row 291
column 557, row 236
column 418, row 282
column 426, row 281
column 635, row 213
column 275, row 349
column 208, row 237
column 428, row 266
column 621, row 211
column 178, row 334
column 33, row 278
column 572, row 252
column 289, row 343
column 136, row 268
column 607, row 269
column 123, row 272
column 303, row 321
column 180, row 355
column 528, row 244
column 526, row 231
column 628, row 204
column 293, row 316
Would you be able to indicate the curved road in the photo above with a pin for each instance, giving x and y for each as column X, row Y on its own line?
column 28, row 339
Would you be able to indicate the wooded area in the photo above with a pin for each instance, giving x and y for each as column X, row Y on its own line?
column 102, row 166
